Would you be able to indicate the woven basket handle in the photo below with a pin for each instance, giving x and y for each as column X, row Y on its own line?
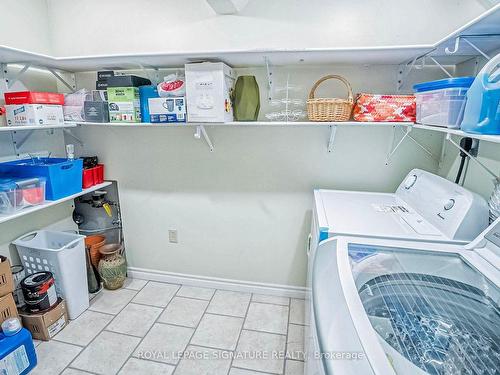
column 325, row 78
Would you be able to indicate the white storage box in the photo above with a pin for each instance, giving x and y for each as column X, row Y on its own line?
column 34, row 114
column 63, row 254
column 208, row 92
column 442, row 103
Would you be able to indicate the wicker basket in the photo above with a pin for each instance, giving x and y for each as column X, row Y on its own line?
column 330, row 109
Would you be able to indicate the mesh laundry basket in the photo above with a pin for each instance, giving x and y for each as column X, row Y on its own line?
column 63, row 254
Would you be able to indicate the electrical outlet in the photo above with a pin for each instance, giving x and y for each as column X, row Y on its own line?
column 172, row 236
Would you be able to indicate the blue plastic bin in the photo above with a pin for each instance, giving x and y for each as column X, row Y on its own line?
column 17, row 353
column 64, row 176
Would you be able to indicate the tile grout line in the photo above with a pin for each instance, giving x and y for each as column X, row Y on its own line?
column 258, row 371
column 102, row 330
column 287, row 333
column 241, row 330
column 131, row 355
column 196, row 328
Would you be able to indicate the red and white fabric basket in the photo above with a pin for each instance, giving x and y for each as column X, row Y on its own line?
column 379, row 108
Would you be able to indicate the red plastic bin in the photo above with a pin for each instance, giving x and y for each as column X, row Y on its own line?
column 93, row 176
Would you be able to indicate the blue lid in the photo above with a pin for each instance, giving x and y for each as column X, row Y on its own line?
column 7, row 184
column 447, row 83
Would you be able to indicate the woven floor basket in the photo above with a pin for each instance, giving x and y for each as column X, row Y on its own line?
column 330, row 109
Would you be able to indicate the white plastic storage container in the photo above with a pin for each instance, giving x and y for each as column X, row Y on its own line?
column 442, row 102
column 208, row 92
column 63, row 254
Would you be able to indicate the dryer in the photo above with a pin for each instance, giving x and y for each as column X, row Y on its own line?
column 425, row 207
column 391, row 307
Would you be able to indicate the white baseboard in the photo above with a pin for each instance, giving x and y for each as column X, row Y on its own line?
column 217, row 283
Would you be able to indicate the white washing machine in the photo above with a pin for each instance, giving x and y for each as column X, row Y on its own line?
column 425, row 207
column 390, row 307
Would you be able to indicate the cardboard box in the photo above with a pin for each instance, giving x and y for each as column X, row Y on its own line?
column 127, row 81
column 34, row 114
column 100, row 95
column 208, row 92
column 45, row 325
column 8, row 308
column 167, row 109
column 96, row 111
column 103, row 75
column 33, row 97
column 101, row 84
column 124, row 104
column 6, row 280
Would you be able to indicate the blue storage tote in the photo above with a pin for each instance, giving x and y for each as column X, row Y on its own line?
column 64, row 176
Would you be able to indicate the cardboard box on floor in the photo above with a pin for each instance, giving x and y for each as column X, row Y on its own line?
column 8, row 307
column 6, row 280
column 46, row 324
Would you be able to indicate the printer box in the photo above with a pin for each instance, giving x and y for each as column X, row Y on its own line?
column 46, row 324
column 34, row 114
column 167, row 109
column 6, row 280
column 209, row 88
column 124, row 104
column 96, row 111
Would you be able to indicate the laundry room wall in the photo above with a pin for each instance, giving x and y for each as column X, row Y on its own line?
column 243, row 212
column 120, row 26
column 32, row 33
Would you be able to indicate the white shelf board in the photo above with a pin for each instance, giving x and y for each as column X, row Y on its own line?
column 235, row 58
column 29, row 210
column 36, row 127
column 487, row 23
column 482, row 137
column 242, row 124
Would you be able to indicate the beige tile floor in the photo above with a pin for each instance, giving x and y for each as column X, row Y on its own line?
column 141, row 328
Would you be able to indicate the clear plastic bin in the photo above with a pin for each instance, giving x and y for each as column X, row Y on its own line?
column 16, row 194
column 442, row 103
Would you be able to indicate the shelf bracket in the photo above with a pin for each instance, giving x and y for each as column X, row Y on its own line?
column 473, row 158
column 456, row 47
column 441, row 67
column 17, row 143
column 270, row 84
column 78, row 140
column 18, row 75
column 331, row 141
column 200, row 130
column 72, row 88
column 407, row 134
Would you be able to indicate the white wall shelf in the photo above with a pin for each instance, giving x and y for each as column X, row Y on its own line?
column 36, row 127
column 29, row 210
column 486, row 24
column 481, row 137
column 241, row 124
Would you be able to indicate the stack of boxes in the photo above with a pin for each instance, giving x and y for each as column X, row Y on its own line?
column 43, row 325
column 8, row 307
column 30, row 108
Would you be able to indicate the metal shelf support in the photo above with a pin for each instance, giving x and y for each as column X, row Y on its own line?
column 406, row 134
column 331, row 141
column 270, row 84
column 200, row 131
column 78, row 140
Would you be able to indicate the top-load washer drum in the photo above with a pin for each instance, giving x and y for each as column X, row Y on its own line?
column 400, row 307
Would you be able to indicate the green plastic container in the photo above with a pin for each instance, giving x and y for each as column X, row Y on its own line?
column 246, row 99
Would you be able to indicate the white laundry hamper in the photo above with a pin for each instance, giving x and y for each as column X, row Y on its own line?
column 63, row 254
